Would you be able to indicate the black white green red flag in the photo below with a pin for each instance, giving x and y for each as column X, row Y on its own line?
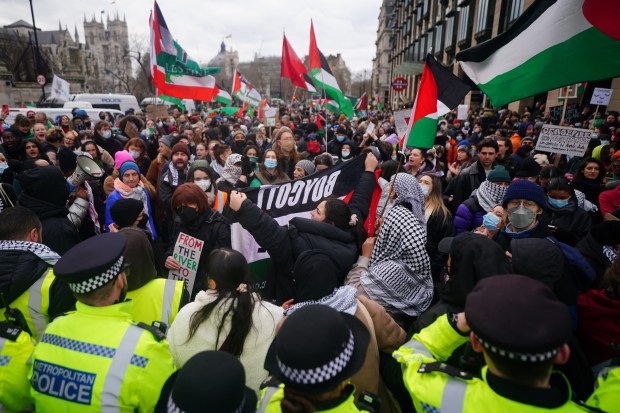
column 243, row 90
column 440, row 91
column 551, row 45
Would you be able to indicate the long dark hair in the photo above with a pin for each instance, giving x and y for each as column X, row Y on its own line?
column 229, row 269
column 338, row 213
column 579, row 176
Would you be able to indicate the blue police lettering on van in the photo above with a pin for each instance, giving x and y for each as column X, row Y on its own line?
column 63, row 383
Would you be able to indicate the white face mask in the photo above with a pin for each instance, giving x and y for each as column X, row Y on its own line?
column 204, row 184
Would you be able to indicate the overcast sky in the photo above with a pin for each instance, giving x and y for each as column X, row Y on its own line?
column 348, row 27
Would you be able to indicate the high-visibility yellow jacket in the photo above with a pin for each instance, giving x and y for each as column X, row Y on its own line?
column 16, row 347
column 158, row 300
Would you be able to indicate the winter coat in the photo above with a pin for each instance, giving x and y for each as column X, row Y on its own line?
column 609, row 200
column 285, row 244
column 115, row 196
column 572, row 219
column 468, row 216
column 112, row 144
column 265, row 318
column 503, row 238
column 437, row 228
column 461, row 186
column 212, row 228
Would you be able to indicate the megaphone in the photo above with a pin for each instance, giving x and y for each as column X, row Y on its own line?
column 85, row 168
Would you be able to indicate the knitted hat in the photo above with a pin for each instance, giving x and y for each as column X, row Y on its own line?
column 126, row 166
column 125, row 211
column 524, row 189
column 498, row 174
column 181, row 147
column 307, row 166
column 238, row 132
column 166, row 140
column 529, row 168
column 121, row 157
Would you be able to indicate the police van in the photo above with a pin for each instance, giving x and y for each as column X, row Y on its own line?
column 100, row 101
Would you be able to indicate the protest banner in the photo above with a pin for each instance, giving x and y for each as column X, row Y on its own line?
column 187, row 252
column 401, row 119
column 292, row 199
column 567, row 141
column 60, row 89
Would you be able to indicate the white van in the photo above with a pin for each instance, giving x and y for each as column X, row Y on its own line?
column 188, row 103
column 108, row 101
column 52, row 113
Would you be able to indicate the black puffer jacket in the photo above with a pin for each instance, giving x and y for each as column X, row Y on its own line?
column 573, row 222
column 45, row 192
column 285, row 244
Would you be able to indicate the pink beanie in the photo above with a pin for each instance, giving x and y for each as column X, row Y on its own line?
column 120, row 157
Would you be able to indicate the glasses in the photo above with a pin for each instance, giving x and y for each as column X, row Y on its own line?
column 514, row 203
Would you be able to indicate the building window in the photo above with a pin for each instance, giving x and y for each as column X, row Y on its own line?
column 514, row 10
column 438, row 47
column 484, row 19
column 464, row 36
column 450, row 31
column 425, row 8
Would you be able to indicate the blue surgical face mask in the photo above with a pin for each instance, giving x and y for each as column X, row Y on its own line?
column 270, row 163
column 340, row 138
column 558, row 203
column 425, row 190
column 160, row 124
column 107, row 134
column 593, row 136
column 490, row 221
column 3, row 167
column 345, row 154
column 606, row 142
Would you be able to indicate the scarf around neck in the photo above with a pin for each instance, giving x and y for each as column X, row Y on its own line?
column 490, row 194
column 343, row 299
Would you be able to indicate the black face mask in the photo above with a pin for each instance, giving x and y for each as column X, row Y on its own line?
column 87, row 125
column 187, row 214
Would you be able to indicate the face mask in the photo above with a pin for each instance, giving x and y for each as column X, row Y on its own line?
column 521, row 217
column 270, row 163
column 253, row 160
column 78, row 127
column 345, row 154
column 87, row 124
column 102, row 117
column 490, row 221
column 340, row 138
column 394, row 157
column 160, row 124
column 106, row 134
column 134, row 154
column 459, row 138
column 594, row 136
column 187, row 214
column 205, row 184
column 3, row 167
column 425, row 190
column 605, row 142
column 558, row 203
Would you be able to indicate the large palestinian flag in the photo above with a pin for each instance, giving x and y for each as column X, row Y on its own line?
column 440, row 91
column 554, row 43
column 173, row 71
column 323, row 77
column 243, row 90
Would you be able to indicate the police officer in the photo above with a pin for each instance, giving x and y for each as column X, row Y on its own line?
column 27, row 281
column 521, row 329
column 97, row 359
column 15, row 350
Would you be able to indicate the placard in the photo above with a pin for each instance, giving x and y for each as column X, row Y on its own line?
column 157, row 111
column 370, row 128
column 567, row 141
column 573, row 111
column 400, row 121
column 601, row 96
column 461, row 112
column 187, row 252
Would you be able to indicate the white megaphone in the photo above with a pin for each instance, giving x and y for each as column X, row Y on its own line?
column 85, row 168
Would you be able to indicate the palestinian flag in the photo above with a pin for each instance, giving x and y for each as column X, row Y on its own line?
column 439, row 92
column 222, row 96
column 243, row 90
column 309, row 85
column 173, row 100
column 361, row 106
column 174, row 73
column 323, row 77
column 332, row 106
column 549, row 46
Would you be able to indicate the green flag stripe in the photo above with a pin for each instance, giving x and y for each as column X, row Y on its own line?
column 422, row 134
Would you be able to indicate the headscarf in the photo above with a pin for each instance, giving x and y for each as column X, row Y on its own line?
column 410, row 195
column 231, row 172
column 490, row 194
column 399, row 273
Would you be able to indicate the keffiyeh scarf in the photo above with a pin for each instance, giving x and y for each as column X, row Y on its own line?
column 343, row 299
column 40, row 250
column 408, row 193
column 174, row 173
column 138, row 193
column 399, row 273
column 231, row 172
column 490, row 194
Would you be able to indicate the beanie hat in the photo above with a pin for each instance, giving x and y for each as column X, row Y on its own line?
column 126, row 166
column 125, row 211
column 307, row 166
column 67, row 159
column 181, row 147
column 529, row 168
column 499, row 174
column 166, row 140
column 121, row 157
column 524, row 189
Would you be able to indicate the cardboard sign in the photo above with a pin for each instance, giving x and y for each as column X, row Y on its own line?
column 187, row 252
column 601, row 96
column 567, row 141
column 271, row 113
column 370, row 128
column 131, row 130
column 401, row 119
column 157, row 111
column 461, row 112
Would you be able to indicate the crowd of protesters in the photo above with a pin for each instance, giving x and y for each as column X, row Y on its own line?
column 406, row 297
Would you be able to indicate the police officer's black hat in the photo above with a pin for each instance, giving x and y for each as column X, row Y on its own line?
column 93, row 263
column 317, row 348
column 517, row 317
column 211, row 381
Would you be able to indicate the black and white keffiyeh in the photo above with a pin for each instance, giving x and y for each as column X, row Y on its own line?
column 399, row 272
column 490, row 194
column 174, row 173
column 409, row 193
column 343, row 299
column 610, row 253
column 40, row 250
column 231, row 172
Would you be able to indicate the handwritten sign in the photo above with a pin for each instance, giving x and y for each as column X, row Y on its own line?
column 187, row 251
column 601, row 96
column 567, row 141
column 401, row 118
column 461, row 112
